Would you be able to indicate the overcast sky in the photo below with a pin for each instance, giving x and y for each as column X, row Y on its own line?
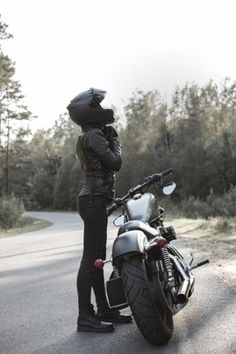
column 64, row 47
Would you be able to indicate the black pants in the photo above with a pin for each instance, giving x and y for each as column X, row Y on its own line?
column 92, row 210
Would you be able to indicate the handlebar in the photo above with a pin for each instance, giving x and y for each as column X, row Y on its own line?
column 112, row 208
column 156, row 177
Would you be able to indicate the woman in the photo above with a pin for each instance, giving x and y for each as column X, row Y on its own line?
column 98, row 150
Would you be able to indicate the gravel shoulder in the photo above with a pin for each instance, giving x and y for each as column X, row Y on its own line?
column 220, row 254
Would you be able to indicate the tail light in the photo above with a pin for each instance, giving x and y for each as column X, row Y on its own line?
column 99, row 263
column 158, row 241
column 161, row 242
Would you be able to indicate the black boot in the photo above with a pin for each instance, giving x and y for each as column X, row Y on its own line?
column 88, row 322
column 112, row 315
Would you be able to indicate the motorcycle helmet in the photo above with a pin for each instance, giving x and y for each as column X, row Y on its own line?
column 85, row 108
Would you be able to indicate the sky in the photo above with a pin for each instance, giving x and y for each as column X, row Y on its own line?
column 64, row 47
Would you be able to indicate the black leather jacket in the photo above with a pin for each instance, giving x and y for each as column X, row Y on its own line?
column 100, row 157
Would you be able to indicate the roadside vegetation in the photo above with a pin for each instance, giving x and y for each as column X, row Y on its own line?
column 216, row 229
column 210, row 220
column 12, row 218
column 11, row 212
column 27, row 224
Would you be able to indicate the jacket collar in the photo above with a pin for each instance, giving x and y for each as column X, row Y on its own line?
column 87, row 127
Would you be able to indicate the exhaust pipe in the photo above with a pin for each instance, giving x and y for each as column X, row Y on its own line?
column 185, row 290
column 187, row 284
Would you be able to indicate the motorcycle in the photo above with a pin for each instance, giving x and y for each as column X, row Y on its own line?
column 149, row 273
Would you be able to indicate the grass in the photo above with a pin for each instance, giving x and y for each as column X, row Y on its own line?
column 27, row 224
column 215, row 229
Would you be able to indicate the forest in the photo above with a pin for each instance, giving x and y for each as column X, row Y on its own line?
column 194, row 133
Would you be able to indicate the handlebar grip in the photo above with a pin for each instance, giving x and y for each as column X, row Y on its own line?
column 158, row 176
column 112, row 208
column 167, row 172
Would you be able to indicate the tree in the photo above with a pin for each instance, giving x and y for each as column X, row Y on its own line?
column 45, row 161
column 143, row 138
column 12, row 110
column 68, row 179
column 196, row 136
column 21, row 165
column 55, row 178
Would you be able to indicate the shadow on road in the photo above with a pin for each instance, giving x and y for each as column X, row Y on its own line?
column 41, row 250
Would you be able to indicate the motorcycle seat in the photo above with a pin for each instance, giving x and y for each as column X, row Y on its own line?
column 149, row 231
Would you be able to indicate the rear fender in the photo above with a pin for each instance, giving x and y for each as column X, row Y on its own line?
column 129, row 242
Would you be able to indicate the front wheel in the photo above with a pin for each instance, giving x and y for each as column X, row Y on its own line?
column 155, row 323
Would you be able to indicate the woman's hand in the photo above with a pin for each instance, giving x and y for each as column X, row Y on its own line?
column 109, row 132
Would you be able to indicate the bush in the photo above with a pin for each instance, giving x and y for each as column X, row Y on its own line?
column 213, row 206
column 11, row 211
column 223, row 225
column 194, row 208
column 224, row 205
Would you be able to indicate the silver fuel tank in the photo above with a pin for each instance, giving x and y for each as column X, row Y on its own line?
column 143, row 207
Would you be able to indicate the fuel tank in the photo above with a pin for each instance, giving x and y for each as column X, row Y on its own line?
column 142, row 207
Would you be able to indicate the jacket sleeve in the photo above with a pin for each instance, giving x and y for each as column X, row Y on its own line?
column 108, row 152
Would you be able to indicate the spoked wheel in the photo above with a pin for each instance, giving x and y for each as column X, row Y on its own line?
column 152, row 316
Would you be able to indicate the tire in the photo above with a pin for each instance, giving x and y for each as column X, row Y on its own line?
column 155, row 323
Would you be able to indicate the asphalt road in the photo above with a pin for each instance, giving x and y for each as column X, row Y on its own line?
column 38, row 301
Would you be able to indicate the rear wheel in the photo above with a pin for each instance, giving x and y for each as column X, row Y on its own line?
column 153, row 320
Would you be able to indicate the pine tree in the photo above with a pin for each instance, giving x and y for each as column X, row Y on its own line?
column 12, row 110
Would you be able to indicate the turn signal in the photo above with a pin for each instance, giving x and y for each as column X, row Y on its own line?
column 161, row 242
column 99, row 263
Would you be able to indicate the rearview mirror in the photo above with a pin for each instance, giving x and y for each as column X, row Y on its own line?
column 119, row 221
column 169, row 188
